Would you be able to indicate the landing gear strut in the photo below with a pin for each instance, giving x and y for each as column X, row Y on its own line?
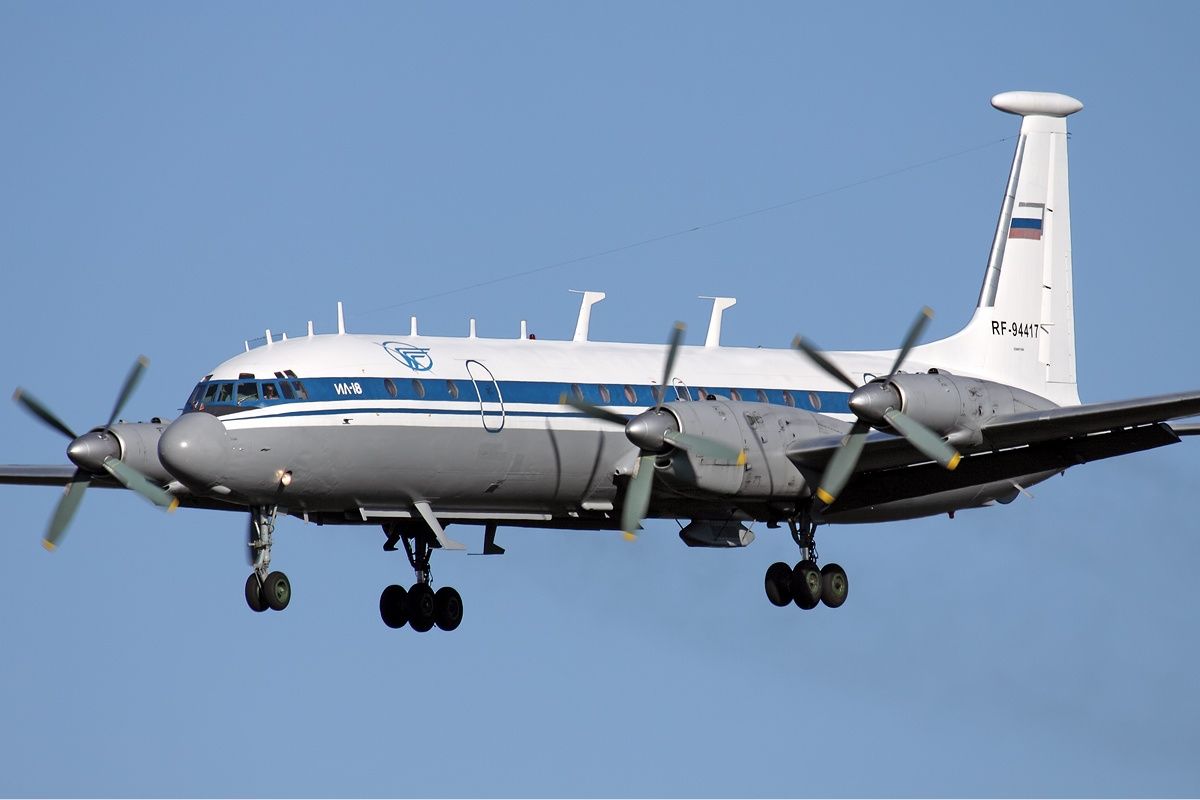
column 806, row 584
column 265, row 589
column 420, row 607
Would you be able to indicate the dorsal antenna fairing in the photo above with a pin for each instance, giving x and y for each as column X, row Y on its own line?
column 412, row 325
column 585, row 313
column 714, row 322
column 341, row 319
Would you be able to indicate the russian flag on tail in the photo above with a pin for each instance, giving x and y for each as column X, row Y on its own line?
column 1027, row 221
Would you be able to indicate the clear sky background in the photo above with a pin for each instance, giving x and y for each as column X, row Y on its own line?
column 174, row 179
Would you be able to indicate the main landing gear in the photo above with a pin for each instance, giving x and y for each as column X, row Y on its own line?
column 265, row 589
column 420, row 607
column 806, row 584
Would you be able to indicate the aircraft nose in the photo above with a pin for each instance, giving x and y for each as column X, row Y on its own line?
column 194, row 449
column 89, row 451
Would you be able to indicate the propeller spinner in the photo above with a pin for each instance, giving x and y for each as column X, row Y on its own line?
column 876, row 404
column 654, row 432
column 93, row 453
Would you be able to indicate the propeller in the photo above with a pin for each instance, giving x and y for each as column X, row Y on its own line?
column 876, row 404
column 654, row 432
column 93, row 453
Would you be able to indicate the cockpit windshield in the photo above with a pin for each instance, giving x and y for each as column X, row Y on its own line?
column 224, row 397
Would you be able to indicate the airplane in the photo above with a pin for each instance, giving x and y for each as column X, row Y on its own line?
column 416, row 434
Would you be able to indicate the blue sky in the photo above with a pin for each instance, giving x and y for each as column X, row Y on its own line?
column 175, row 179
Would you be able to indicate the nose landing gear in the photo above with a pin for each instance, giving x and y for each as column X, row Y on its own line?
column 806, row 584
column 264, row 589
column 420, row 607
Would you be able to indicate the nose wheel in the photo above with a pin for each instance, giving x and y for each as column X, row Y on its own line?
column 265, row 589
column 419, row 607
column 806, row 584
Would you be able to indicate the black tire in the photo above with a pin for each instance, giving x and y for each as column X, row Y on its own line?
column 254, row 595
column 806, row 584
column 420, row 607
column 277, row 591
column 448, row 607
column 835, row 586
column 778, row 583
column 391, row 606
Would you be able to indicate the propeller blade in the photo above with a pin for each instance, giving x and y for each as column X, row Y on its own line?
column 65, row 509
column 818, row 358
column 706, row 448
column 841, row 467
column 35, row 407
column 637, row 496
column 914, row 333
column 669, row 367
column 131, row 382
column 596, row 412
column 130, row 478
column 923, row 439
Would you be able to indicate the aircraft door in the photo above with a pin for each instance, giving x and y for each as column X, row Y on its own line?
column 491, row 401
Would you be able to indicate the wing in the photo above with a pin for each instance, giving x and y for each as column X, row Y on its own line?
column 1019, row 444
column 55, row 475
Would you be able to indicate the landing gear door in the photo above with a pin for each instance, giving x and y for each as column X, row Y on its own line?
column 491, row 402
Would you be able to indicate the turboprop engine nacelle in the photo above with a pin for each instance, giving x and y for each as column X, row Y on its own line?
column 947, row 404
column 135, row 443
column 762, row 430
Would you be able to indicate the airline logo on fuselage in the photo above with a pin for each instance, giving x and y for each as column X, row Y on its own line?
column 411, row 356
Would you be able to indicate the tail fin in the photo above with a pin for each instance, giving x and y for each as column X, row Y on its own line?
column 1023, row 330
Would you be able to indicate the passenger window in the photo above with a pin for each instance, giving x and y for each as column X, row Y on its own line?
column 788, row 399
column 734, row 394
column 247, row 392
column 452, row 389
column 390, row 385
column 630, row 395
column 762, row 396
column 418, row 388
column 605, row 395
column 577, row 391
column 814, row 400
column 270, row 391
column 286, row 388
column 225, row 395
column 210, row 393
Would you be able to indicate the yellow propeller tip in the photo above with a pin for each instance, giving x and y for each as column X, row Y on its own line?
column 17, row 394
column 741, row 459
column 629, row 536
column 954, row 461
column 143, row 361
column 825, row 497
column 562, row 399
column 928, row 312
column 679, row 326
column 174, row 505
column 49, row 545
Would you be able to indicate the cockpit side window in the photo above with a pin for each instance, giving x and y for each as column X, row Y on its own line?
column 225, row 393
column 247, row 392
column 210, row 393
column 286, row 388
column 299, row 387
column 270, row 391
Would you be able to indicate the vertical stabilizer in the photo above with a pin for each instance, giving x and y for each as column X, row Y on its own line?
column 1023, row 330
